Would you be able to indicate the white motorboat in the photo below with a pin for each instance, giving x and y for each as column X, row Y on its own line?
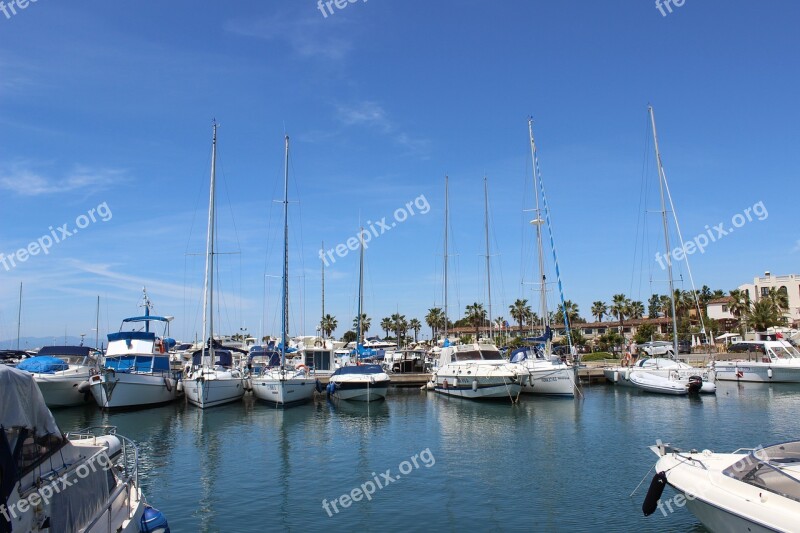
column 212, row 379
column 136, row 372
column 60, row 371
column 363, row 383
column 665, row 369
column 753, row 490
column 775, row 362
column 672, row 385
column 477, row 372
column 549, row 377
column 86, row 481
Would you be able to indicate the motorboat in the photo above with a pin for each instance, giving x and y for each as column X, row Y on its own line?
column 60, row 371
column 406, row 360
column 477, row 372
column 86, row 481
column 662, row 368
column 774, row 362
column 754, row 490
column 12, row 357
column 212, row 379
column 671, row 385
column 546, row 376
column 136, row 372
column 363, row 383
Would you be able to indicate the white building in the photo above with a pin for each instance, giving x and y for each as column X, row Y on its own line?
column 789, row 284
column 720, row 309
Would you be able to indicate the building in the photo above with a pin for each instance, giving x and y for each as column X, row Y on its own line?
column 719, row 309
column 789, row 284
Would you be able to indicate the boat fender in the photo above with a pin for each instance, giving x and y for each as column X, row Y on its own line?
column 84, row 387
column 616, row 376
column 153, row 521
column 769, row 373
column 474, row 385
column 318, row 386
column 168, row 384
column 445, row 384
column 180, row 386
column 654, row 493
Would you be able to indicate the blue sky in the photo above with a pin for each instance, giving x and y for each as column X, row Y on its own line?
column 105, row 103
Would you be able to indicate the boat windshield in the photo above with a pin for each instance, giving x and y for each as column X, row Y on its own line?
column 491, row 355
column 774, row 469
column 781, row 352
column 471, row 355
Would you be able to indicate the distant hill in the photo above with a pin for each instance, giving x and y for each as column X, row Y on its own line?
column 29, row 343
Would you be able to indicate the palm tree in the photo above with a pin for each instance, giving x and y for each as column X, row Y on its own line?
column 599, row 310
column 665, row 305
column 365, row 323
column 763, row 315
column 740, row 307
column 779, row 300
column 572, row 313
column 500, row 322
column 435, row 320
column 636, row 310
column 415, row 325
column 520, row 311
column 328, row 324
column 399, row 325
column 386, row 325
column 620, row 307
column 476, row 316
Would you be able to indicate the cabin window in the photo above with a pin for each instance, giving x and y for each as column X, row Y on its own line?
column 491, row 355
column 472, row 355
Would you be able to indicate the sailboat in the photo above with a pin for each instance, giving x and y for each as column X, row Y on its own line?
column 365, row 383
column 661, row 374
column 284, row 386
column 211, row 379
column 548, row 375
column 475, row 371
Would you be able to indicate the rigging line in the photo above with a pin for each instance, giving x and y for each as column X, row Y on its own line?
column 641, row 212
column 235, row 230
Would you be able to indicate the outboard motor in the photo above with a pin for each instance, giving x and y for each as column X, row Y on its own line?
column 695, row 384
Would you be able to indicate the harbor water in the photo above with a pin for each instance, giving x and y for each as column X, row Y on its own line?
column 423, row 462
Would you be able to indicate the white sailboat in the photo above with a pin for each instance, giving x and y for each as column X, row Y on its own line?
column 548, row 375
column 212, row 379
column 364, row 383
column 659, row 375
column 284, row 386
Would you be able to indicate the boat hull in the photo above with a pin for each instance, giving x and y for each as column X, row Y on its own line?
column 620, row 376
column 293, row 391
column 204, row 392
column 552, row 381
column 361, row 392
column 501, row 391
column 130, row 390
column 757, row 372
column 62, row 391
column 657, row 384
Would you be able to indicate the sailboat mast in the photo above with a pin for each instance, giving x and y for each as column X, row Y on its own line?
column 322, row 321
column 19, row 315
column 666, row 232
column 97, row 326
column 359, row 339
column 488, row 273
column 538, row 223
column 285, row 282
column 208, row 286
column 446, row 225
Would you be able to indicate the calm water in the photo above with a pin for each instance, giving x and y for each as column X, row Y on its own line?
column 543, row 465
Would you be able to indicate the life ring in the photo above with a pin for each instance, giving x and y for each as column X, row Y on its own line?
column 301, row 367
column 318, row 343
column 159, row 346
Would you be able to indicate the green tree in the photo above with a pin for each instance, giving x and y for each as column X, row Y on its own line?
column 572, row 313
column 636, row 310
column 740, row 308
column 400, row 326
column 645, row 333
column 519, row 311
column 476, row 316
column 328, row 324
column 435, row 320
column 620, row 308
column 365, row 323
column 654, row 306
column 415, row 325
column 386, row 325
column 349, row 336
column 599, row 310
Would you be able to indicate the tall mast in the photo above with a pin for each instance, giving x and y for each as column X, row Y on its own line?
column 661, row 179
column 538, row 223
column 488, row 274
column 360, row 289
column 322, row 322
column 97, row 326
column 19, row 314
column 285, row 283
column 208, row 286
column 446, row 224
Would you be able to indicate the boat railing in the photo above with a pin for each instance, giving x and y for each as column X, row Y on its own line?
column 127, row 465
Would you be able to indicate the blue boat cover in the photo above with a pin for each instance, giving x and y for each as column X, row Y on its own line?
column 43, row 364
column 82, row 351
column 548, row 334
column 359, row 369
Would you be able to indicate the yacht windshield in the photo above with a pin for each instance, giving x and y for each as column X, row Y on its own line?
column 491, row 355
column 771, row 469
column 781, row 352
column 472, row 355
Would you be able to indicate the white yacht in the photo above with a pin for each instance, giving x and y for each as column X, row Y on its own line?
column 754, row 490
column 136, row 372
column 666, row 370
column 60, row 371
column 546, row 376
column 362, row 383
column 774, row 362
column 212, row 379
column 86, row 481
column 477, row 371
column 284, row 385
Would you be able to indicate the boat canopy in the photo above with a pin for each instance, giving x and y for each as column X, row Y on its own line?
column 764, row 468
column 43, row 364
column 59, row 351
column 147, row 318
column 359, row 369
column 132, row 336
column 526, row 352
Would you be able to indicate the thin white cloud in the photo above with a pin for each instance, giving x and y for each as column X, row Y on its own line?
column 796, row 246
column 308, row 37
column 370, row 114
column 23, row 179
